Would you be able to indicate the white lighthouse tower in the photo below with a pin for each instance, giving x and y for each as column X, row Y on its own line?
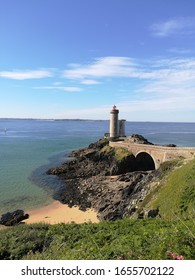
column 114, row 124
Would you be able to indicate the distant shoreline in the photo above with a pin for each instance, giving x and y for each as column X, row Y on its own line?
column 88, row 120
column 38, row 119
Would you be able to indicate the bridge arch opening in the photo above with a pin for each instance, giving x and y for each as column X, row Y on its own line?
column 144, row 162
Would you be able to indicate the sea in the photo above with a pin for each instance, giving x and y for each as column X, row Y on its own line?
column 28, row 148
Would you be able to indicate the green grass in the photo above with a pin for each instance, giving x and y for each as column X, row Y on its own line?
column 176, row 196
column 117, row 153
column 131, row 239
column 121, row 153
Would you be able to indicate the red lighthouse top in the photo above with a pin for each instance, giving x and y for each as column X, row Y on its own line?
column 114, row 109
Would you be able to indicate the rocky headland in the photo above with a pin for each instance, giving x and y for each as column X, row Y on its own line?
column 106, row 179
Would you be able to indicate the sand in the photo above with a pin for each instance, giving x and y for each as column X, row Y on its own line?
column 60, row 213
column 2, row 227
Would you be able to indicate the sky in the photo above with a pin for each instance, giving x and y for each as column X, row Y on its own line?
column 62, row 59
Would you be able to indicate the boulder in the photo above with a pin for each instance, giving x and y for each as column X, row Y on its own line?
column 170, row 145
column 139, row 139
column 13, row 218
column 153, row 213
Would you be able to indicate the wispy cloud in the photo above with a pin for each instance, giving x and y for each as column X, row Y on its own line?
column 173, row 69
column 102, row 68
column 158, row 75
column 167, row 84
column 90, row 82
column 177, row 26
column 26, row 75
column 170, row 88
column 67, row 89
column 155, row 84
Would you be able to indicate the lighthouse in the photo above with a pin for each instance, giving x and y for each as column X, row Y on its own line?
column 114, row 124
column 117, row 127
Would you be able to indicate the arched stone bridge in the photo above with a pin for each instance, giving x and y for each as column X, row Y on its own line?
column 155, row 154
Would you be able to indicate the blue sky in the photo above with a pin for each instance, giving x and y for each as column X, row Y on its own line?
column 75, row 59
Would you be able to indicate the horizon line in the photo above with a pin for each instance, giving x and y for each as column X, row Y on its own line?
column 77, row 119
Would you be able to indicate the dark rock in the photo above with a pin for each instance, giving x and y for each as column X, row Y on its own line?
column 140, row 215
column 13, row 218
column 139, row 139
column 127, row 164
column 170, row 145
column 153, row 213
column 99, row 144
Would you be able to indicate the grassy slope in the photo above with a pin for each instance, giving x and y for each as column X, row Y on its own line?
column 132, row 239
column 176, row 196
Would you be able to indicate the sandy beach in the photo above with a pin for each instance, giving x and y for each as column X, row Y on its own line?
column 60, row 213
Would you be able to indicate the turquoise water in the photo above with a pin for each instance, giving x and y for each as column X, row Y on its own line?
column 28, row 148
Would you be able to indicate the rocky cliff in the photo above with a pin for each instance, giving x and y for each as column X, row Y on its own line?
column 105, row 179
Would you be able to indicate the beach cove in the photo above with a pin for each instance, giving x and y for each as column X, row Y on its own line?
column 57, row 212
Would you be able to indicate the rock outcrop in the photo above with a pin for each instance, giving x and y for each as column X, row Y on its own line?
column 138, row 139
column 13, row 218
column 97, row 159
column 105, row 179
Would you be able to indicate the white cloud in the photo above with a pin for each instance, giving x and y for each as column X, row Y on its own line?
column 26, row 75
column 175, row 70
column 177, row 26
column 170, row 90
column 67, row 89
column 102, row 68
column 165, row 87
column 58, row 83
column 90, row 82
column 159, row 79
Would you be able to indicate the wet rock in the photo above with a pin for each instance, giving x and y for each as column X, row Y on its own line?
column 13, row 218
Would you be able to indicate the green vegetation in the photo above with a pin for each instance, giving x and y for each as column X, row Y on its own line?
column 176, row 196
column 163, row 172
column 121, row 153
column 127, row 238
column 107, row 150
column 118, row 153
column 168, row 166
